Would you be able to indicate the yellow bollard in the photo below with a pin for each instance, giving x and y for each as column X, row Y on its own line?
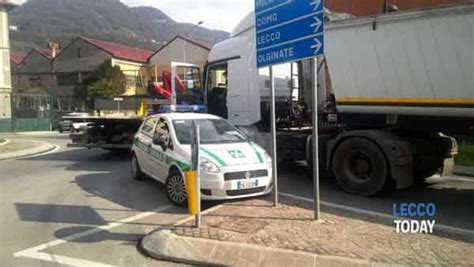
column 191, row 191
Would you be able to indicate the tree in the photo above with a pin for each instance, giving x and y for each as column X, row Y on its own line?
column 106, row 81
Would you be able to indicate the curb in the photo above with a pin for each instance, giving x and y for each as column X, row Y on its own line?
column 28, row 133
column 167, row 246
column 6, row 141
column 463, row 170
column 44, row 147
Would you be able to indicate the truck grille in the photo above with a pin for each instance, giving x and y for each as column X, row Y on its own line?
column 242, row 175
column 233, row 193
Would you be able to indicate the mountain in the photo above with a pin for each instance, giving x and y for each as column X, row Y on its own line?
column 39, row 21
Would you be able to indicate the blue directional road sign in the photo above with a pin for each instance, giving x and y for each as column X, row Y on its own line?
column 288, row 30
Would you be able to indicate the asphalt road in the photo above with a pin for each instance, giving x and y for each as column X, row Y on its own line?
column 76, row 206
column 69, row 195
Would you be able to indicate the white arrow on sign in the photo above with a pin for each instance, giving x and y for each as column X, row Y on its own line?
column 317, row 23
column 315, row 3
column 317, row 46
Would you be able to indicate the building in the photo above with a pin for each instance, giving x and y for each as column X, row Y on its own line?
column 376, row 7
column 83, row 55
column 34, row 73
column 5, row 74
column 15, row 60
column 179, row 49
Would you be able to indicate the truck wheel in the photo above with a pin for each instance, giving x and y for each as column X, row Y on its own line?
column 360, row 167
column 136, row 171
column 176, row 190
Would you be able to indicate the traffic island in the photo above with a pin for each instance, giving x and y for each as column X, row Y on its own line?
column 18, row 148
column 253, row 232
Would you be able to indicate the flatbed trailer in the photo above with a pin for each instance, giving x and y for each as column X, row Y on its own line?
column 109, row 133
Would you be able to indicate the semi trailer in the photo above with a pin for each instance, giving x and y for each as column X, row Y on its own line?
column 392, row 88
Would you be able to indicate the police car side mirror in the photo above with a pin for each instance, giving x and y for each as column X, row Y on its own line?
column 159, row 142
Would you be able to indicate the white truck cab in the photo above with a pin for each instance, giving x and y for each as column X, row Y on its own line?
column 232, row 166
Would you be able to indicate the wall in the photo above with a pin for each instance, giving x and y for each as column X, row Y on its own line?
column 192, row 54
column 135, row 76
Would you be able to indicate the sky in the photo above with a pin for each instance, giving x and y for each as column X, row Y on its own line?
column 216, row 14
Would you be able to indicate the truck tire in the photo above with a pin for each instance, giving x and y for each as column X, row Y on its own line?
column 136, row 170
column 360, row 167
column 176, row 190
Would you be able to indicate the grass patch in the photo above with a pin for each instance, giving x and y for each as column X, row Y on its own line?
column 465, row 156
column 2, row 140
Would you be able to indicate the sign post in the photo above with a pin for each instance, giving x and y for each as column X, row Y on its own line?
column 287, row 31
column 118, row 99
column 274, row 143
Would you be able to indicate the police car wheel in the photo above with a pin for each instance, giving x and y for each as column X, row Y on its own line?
column 176, row 190
column 136, row 171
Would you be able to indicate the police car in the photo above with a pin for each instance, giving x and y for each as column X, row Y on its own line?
column 231, row 165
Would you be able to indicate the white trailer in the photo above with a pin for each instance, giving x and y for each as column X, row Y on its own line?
column 399, row 80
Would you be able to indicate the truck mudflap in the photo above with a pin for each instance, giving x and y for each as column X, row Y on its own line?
column 448, row 167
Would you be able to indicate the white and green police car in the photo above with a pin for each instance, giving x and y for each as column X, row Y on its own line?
column 231, row 165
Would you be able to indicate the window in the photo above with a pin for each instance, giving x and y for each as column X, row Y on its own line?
column 217, row 90
column 79, row 53
column 148, row 127
column 212, row 131
column 162, row 130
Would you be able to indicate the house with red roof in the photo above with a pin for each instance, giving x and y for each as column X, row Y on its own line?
column 15, row 60
column 34, row 72
column 83, row 55
column 179, row 49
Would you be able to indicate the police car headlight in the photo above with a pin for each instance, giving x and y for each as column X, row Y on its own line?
column 208, row 166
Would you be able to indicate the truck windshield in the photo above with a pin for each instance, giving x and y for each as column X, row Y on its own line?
column 213, row 131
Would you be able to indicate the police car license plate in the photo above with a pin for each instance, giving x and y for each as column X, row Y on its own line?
column 247, row 184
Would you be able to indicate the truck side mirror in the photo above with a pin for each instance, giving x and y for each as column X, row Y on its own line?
column 159, row 142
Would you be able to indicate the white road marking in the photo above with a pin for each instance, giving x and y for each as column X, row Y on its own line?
column 56, row 148
column 35, row 254
column 446, row 228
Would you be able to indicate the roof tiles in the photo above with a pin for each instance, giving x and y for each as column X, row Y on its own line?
column 120, row 51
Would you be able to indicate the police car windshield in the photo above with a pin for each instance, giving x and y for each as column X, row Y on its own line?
column 212, row 131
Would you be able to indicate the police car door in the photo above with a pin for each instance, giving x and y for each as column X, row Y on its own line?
column 143, row 142
column 158, row 152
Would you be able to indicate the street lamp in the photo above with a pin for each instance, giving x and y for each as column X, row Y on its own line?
column 185, row 35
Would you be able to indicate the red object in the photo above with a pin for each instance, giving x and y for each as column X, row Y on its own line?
column 162, row 91
column 166, row 89
column 167, row 82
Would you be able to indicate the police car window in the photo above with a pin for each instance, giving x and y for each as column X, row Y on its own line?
column 212, row 131
column 162, row 130
column 148, row 127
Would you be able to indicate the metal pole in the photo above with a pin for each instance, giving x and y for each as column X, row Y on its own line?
column 274, row 142
column 315, row 139
column 198, row 177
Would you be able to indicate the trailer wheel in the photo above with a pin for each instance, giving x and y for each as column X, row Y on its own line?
column 176, row 190
column 360, row 167
column 136, row 170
